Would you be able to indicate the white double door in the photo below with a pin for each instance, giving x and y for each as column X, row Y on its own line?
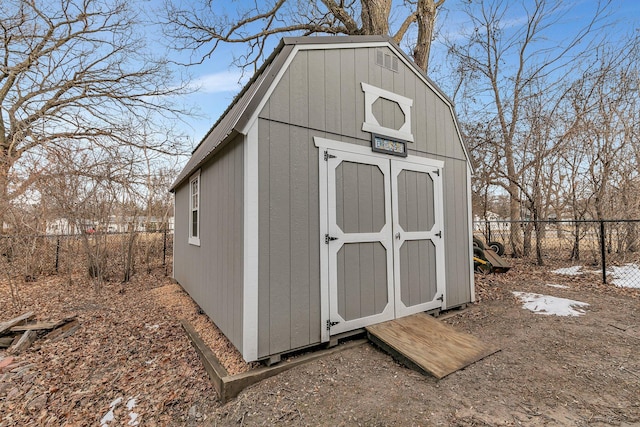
column 383, row 237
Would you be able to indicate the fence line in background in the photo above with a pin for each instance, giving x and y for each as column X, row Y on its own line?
column 607, row 244
column 115, row 255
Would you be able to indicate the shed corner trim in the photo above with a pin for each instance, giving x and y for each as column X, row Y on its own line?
column 251, row 249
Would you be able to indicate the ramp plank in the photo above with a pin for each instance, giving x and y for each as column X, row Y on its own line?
column 497, row 261
column 430, row 345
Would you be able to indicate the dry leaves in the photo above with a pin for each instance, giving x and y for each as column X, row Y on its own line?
column 130, row 362
column 128, row 346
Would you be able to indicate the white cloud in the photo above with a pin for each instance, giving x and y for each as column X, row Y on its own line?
column 224, row 81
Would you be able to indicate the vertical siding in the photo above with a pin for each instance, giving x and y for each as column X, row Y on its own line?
column 320, row 95
column 212, row 272
column 456, row 233
column 321, row 91
column 312, row 63
column 289, row 263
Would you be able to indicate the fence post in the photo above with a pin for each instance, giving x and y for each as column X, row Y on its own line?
column 57, row 252
column 603, row 253
column 164, row 247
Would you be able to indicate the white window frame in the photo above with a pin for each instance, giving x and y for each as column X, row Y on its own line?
column 370, row 124
column 194, row 239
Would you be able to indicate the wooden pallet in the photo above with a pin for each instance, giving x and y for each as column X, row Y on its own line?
column 428, row 345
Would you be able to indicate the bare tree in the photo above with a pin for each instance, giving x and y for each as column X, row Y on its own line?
column 502, row 91
column 75, row 72
column 84, row 187
column 203, row 26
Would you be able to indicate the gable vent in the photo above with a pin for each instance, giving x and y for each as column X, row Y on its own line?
column 386, row 60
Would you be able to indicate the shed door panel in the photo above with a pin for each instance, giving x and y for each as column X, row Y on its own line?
column 383, row 248
column 418, row 240
column 360, row 244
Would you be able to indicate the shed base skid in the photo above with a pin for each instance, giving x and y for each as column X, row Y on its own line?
column 229, row 386
column 335, row 339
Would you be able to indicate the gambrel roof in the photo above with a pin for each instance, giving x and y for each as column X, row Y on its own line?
column 235, row 119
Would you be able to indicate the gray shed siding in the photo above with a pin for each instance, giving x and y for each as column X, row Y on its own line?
column 325, row 99
column 213, row 272
column 289, row 258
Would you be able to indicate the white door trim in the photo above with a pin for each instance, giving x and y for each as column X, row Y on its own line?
column 328, row 145
column 384, row 236
column 366, row 150
column 401, row 236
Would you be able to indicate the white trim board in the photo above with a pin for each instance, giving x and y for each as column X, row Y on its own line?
column 323, row 172
column 194, row 240
column 472, row 283
column 250, row 246
column 371, row 124
column 331, row 144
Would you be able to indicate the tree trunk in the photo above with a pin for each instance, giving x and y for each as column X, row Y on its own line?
column 426, row 18
column 515, row 235
column 5, row 167
column 375, row 17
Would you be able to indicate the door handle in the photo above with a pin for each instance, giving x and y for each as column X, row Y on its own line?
column 398, row 235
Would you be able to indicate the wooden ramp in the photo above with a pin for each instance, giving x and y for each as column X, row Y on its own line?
column 428, row 345
column 499, row 264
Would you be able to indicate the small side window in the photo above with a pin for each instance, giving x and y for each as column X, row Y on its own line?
column 194, row 209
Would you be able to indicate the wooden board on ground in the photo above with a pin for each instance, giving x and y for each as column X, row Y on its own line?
column 40, row 326
column 23, row 343
column 5, row 341
column 424, row 343
column 498, row 263
column 5, row 326
column 63, row 331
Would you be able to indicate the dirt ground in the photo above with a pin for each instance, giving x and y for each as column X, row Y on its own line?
column 130, row 363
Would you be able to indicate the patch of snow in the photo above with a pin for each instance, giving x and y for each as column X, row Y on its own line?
column 131, row 403
column 133, row 417
column 549, row 305
column 553, row 285
column 133, row 421
column 108, row 417
column 152, row 327
column 627, row 276
column 569, row 271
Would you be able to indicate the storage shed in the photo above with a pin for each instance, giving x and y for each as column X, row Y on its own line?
column 334, row 193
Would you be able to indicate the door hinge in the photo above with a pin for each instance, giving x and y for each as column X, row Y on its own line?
column 437, row 172
column 330, row 324
column 328, row 238
column 328, row 156
column 439, row 234
column 441, row 298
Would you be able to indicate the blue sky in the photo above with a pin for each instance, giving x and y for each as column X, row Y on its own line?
column 218, row 82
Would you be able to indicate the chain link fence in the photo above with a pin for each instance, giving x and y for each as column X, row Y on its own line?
column 609, row 248
column 112, row 256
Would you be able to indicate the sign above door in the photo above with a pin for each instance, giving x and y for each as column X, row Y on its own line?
column 384, row 144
